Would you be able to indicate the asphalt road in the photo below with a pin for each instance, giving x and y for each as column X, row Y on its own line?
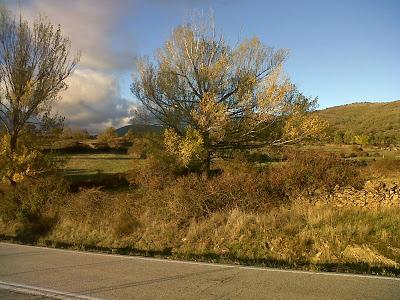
column 52, row 273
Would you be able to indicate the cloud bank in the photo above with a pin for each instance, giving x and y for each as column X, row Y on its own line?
column 93, row 99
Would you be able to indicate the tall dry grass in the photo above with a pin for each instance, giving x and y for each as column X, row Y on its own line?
column 294, row 234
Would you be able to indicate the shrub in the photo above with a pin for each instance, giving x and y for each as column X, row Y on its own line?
column 33, row 206
column 125, row 223
column 305, row 172
column 75, row 134
column 140, row 148
column 197, row 196
column 156, row 173
column 107, row 136
column 242, row 185
column 387, row 166
column 254, row 157
column 30, row 200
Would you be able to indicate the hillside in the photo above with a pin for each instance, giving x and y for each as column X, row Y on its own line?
column 380, row 122
column 138, row 129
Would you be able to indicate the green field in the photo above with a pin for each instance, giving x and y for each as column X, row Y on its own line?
column 94, row 164
column 106, row 163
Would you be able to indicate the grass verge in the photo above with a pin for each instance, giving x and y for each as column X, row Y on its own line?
column 298, row 235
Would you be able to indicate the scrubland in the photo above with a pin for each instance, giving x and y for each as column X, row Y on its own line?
column 251, row 211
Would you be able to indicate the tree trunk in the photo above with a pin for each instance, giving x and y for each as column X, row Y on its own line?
column 13, row 149
column 206, row 167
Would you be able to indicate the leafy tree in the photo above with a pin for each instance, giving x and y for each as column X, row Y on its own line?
column 213, row 97
column 35, row 61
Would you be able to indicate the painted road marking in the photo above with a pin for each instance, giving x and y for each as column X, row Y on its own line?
column 38, row 291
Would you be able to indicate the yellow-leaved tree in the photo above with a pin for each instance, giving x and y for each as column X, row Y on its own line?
column 212, row 96
column 35, row 60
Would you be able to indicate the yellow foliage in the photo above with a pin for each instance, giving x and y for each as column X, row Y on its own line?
column 211, row 116
column 185, row 148
column 299, row 126
column 19, row 164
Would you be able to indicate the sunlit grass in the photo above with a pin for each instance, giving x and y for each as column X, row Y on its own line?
column 92, row 164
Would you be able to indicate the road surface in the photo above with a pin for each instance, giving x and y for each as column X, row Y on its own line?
column 64, row 274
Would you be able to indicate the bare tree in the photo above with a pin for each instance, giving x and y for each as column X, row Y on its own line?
column 35, row 60
column 214, row 97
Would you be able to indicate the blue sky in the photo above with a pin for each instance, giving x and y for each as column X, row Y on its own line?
column 340, row 51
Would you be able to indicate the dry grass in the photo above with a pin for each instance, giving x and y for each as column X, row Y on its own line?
column 242, row 215
column 297, row 234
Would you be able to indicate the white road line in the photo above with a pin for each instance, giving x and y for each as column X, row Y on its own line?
column 217, row 265
column 38, row 291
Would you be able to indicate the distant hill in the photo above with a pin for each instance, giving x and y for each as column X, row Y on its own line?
column 139, row 129
column 380, row 122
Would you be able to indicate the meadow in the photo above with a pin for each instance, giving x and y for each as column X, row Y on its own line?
column 94, row 164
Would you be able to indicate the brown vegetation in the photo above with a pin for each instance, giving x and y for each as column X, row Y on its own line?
column 244, row 213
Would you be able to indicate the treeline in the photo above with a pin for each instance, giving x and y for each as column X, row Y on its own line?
column 350, row 137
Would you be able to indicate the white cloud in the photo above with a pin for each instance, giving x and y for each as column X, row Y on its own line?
column 93, row 99
column 92, row 26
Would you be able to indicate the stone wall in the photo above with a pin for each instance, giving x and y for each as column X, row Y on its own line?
column 374, row 194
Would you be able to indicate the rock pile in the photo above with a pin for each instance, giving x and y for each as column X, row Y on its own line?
column 374, row 194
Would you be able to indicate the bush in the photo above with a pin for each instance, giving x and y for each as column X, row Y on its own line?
column 107, row 136
column 75, row 134
column 140, row 148
column 305, row 172
column 146, row 146
column 242, row 185
column 156, row 173
column 254, row 157
column 29, row 200
column 387, row 166
column 33, row 205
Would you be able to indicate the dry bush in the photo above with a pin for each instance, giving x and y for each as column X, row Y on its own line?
column 196, row 196
column 385, row 167
column 300, row 233
column 239, row 214
column 144, row 146
column 33, row 205
column 140, row 148
column 155, row 173
column 297, row 233
column 31, row 199
column 107, row 136
column 241, row 185
column 305, row 172
column 90, row 203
